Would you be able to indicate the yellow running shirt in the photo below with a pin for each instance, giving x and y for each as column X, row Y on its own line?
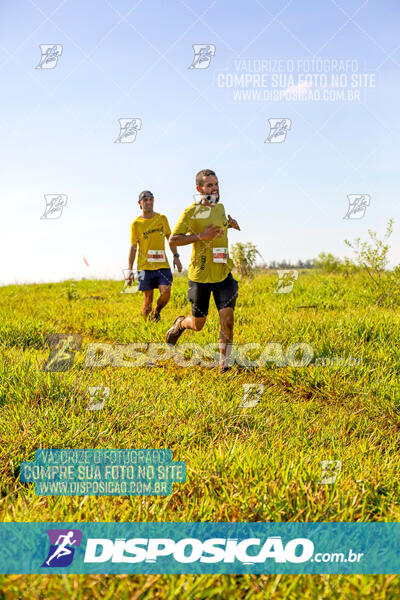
column 150, row 235
column 210, row 260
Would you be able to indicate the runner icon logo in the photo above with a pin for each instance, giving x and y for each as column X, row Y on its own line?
column 357, row 205
column 128, row 130
column 287, row 278
column 55, row 203
column 50, row 54
column 202, row 55
column 61, row 552
column 278, row 129
column 252, row 392
column 62, row 351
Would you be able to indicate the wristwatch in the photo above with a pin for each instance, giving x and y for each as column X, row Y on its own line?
column 176, row 255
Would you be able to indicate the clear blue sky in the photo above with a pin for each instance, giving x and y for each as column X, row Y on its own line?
column 131, row 59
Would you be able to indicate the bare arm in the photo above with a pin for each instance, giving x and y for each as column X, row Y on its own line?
column 173, row 248
column 131, row 259
column 132, row 256
column 182, row 240
column 209, row 233
column 177, row 263
column 232, row 223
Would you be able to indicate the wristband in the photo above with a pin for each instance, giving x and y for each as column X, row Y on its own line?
column 176, row 255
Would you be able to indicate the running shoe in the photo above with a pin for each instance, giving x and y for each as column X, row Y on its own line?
column 174, row 333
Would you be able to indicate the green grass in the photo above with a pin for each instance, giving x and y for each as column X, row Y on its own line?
column 257, row 464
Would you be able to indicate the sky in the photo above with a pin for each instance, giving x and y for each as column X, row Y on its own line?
column 115, row 60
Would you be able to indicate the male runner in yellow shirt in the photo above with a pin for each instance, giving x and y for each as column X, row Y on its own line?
column 210, row 266
column 149, row 231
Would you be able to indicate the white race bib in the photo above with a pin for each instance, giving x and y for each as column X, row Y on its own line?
column 220, row 255
column 155, row 256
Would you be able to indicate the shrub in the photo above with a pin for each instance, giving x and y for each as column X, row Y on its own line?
column 244, row 258
column 372, row 256
column 329, row 263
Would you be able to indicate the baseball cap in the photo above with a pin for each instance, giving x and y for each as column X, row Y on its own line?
column 145, row 192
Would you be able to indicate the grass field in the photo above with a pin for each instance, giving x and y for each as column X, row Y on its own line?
column 255, row 464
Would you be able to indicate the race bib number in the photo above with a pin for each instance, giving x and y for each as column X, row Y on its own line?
column 156, row 256
column 220, row 255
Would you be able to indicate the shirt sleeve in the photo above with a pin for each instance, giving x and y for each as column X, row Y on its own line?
column 167, row 230
column 182, row 226
column 134, row 237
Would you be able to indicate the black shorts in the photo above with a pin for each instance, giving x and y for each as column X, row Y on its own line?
column 225, row 293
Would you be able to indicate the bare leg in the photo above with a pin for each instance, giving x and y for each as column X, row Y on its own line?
column 180, row 324
column 147, row 303
column 163, row 299
column 225, row 336
column 194, row 323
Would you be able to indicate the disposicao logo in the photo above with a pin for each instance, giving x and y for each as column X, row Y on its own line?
column 190, row 550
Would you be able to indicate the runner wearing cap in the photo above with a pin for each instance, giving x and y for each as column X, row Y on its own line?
column 204, row 224
column 149, row 231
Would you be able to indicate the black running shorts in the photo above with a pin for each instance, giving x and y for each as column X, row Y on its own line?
column 225, row 293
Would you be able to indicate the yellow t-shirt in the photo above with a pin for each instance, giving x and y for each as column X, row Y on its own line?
column 150, row 235
column 210, row 260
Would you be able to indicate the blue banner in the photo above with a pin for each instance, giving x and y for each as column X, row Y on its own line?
column 219, row 548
